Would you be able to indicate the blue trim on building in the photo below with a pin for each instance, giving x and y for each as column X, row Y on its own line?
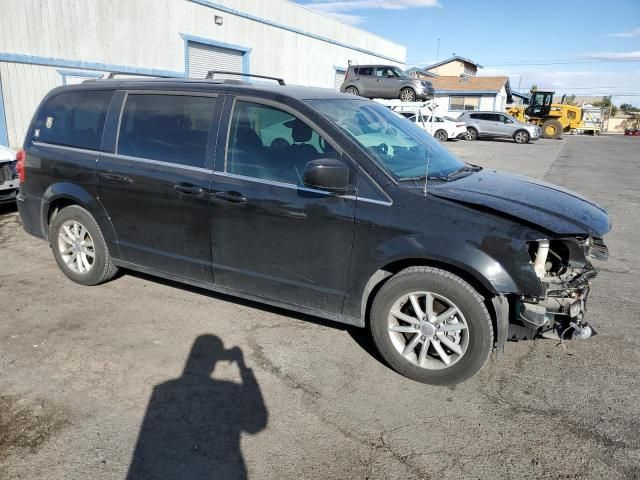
column 78, row 73
column 340, row 69
column 248, row 16
column 4, row 134
column 103, row 67
column 463, row 93
column 246, row 51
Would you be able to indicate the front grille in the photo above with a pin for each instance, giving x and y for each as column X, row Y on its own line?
column 6, row 173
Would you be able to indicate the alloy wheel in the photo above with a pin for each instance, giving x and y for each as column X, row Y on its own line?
column 521, row 137
column 76, row 246
column 407, row 95
column 428, row 330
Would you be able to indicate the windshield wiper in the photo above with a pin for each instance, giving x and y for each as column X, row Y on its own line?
column 467, row 168
column 447, row 177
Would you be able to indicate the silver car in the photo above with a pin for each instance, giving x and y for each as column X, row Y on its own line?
column 384, row 81
column 498, row 125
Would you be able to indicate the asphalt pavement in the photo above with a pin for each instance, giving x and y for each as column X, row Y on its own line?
column 97, row 380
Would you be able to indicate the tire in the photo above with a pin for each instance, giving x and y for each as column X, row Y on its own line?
column 471, row 318
column 552, row 129
column 407, row 95
column 441, row 135
column 65, row 237
column 521, row 136
column 472, row 134
column 351, row 90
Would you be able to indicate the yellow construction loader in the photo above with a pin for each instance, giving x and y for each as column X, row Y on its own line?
column 552, row 118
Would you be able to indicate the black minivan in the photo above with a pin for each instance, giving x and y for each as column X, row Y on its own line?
column 311, row 200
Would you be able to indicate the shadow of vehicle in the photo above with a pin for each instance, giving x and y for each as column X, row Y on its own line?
column 7, row 208
column 192, row 425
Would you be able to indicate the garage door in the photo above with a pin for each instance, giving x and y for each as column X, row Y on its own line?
column 203, row 58
column 339, row 79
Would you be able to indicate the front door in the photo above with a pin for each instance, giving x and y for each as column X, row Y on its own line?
column 387, row 83
column 272, row 237
column 155, row 188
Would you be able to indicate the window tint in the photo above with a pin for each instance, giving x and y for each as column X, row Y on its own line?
column 475, row 115
column 364, row 71
column 269, row 143
column 385, row 72
column 168, row 128
column 75, row 119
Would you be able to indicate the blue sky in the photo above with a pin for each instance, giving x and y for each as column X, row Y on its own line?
column 580, row 47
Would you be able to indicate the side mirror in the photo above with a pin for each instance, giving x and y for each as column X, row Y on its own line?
column 327, row 174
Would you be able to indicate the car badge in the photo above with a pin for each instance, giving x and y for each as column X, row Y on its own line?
column 49, row 122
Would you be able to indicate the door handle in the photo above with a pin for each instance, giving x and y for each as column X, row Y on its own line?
column 188, row 189
column 234, row 197
column 115, row 178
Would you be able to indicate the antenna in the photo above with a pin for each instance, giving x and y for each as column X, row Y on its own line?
column 432, row 107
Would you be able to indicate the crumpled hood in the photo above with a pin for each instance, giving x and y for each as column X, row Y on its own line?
column 548, row 206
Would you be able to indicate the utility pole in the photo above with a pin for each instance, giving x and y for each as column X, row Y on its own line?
column 609, row 116
column 437, row 55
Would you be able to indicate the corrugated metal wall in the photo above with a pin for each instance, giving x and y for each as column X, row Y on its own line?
column 149, row 36
column 203, row 58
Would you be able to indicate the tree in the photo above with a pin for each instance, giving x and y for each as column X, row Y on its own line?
column 606, row 106
column 628, row 108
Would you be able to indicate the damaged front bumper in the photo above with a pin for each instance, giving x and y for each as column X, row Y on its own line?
column 566, row 274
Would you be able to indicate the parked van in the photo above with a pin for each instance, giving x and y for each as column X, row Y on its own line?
column 310, row 200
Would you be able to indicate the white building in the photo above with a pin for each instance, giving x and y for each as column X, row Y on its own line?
column 454, row 95
column 46, row 43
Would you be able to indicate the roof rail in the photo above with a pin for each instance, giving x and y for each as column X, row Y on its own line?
column 212, row 73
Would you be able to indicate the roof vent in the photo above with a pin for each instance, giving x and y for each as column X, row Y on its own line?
column 463, row 79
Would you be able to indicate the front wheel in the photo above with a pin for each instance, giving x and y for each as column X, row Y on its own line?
column 407, row 95
column 471, row 135
column 552, row 129
column 79, row 247
column 521, row 136
column 431, row 326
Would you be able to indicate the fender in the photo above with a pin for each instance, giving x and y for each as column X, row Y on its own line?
column 475, row 260
column 78, row 195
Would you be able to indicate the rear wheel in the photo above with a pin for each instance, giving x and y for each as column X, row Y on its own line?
column 431, row 326
column 352, row 91
column 79, row 247
column 441, row 135
column 407, row 95
column 521, row 136
column 472, row 134
column 552, row 129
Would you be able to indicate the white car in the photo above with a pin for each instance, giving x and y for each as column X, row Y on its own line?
column 8, row 176
column 442, row 128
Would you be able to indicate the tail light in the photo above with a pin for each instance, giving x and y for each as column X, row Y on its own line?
column 20, row 157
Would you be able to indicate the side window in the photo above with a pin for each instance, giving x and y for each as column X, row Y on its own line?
column 384, row 72
column 365, row 71
column 74, row 119
column 475, row 116
column 271, row 144
column 168, row 128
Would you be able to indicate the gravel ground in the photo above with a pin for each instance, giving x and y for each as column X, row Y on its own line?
column 97, row 378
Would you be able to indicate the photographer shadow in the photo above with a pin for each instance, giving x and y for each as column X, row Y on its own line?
column 193, row 424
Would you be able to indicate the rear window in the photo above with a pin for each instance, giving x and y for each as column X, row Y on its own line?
column 363, row 71
column 73, row 119
column 167, row 128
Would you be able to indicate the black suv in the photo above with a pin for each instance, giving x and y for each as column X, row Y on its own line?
column 311, row 200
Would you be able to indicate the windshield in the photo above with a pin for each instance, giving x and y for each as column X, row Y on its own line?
column 396, row 143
